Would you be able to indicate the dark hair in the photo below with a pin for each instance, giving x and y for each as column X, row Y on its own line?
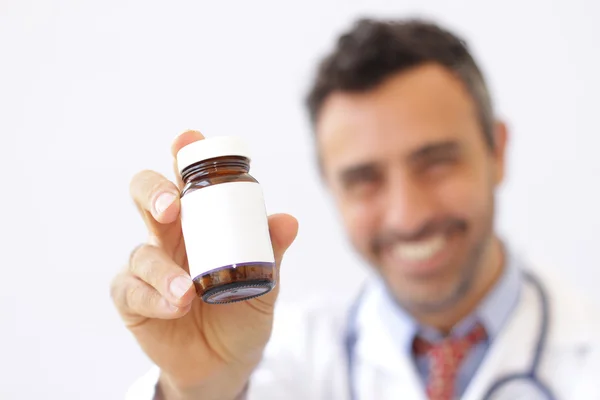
column 374, row 50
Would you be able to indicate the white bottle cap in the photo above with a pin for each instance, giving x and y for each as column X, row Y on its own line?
column 218, row 146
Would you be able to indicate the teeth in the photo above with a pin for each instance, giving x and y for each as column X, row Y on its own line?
column 419, row 251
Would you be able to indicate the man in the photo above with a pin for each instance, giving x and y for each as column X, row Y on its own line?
column 411, row 151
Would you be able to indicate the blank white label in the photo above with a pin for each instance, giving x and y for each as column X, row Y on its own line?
column 225, row 224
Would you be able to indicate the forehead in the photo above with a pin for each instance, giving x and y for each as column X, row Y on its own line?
column 410, row 110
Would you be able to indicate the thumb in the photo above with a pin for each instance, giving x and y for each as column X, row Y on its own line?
column 283, row 229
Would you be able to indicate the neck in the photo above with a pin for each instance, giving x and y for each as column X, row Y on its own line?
column 486, row 276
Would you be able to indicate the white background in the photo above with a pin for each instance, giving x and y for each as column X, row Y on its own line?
column 92, row 92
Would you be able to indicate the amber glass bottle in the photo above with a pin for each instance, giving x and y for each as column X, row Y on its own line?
column 224, row 222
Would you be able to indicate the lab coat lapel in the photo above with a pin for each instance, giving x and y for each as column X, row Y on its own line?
column 512, row 350
column 383, row 370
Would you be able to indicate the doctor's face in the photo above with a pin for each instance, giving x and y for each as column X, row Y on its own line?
column 414, row 181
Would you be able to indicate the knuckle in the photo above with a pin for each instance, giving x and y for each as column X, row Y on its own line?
column 130, row 296
column 138, row 179
column 114, row 287
column 153, row 269
column 146, row 264
column 117, row 289
column 136, row 297
column 138, row 253
column 146, row 184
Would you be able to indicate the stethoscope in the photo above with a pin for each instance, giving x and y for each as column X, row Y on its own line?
column 531, row 383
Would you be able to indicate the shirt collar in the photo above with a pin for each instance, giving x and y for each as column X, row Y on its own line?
column 492, row 312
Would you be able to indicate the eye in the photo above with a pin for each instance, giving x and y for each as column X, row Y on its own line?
column 444, row 159
column 439, row 163
column 437, row 157
column 361, row 181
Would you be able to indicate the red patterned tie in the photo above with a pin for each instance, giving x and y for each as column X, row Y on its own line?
column 445, row 359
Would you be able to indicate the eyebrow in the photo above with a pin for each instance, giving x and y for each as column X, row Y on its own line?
column 434, row 150
column 356, row 171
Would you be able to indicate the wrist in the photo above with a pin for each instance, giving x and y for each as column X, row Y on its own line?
column 232, row 386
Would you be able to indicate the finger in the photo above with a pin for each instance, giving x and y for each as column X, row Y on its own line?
column 156, row 198
column 153, row 266
column 137, row 301
column 180, row 142
column 283, row 229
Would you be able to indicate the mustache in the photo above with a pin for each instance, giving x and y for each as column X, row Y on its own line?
column 444, row 226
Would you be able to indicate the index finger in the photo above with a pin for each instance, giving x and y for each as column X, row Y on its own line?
column 187, row 137
column 157, row 200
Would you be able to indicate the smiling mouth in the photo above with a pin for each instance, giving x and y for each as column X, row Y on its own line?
column 419, row 251
column 421, row 257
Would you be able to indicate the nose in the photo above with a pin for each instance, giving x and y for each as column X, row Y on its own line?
column 408, row 204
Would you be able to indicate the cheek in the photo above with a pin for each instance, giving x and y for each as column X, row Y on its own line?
column 465, row 195
column 360, row 221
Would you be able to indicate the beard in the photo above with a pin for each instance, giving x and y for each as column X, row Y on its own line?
column 463, row 283
column 434, row 294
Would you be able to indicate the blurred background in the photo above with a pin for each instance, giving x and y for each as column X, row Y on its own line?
column 92, row 92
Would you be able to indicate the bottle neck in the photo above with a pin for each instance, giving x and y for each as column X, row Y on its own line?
column 228, row 165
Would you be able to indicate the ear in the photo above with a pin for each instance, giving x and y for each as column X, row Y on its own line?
column 499, row 153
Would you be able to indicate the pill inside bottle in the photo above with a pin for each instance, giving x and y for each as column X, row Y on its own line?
column 224, row 222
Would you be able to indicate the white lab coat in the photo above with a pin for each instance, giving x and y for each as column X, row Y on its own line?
column 306, row 357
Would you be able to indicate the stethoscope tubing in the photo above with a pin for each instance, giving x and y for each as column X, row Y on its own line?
column 351, row 338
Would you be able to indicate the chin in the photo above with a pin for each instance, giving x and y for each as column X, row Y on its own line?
column 434, row 300
column 432, row 292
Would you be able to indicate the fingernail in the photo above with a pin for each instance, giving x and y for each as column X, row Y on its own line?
column 163, row 202
column 180, row 285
